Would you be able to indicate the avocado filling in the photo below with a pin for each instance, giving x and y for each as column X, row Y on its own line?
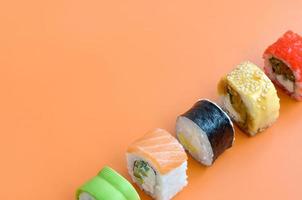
column 144, row 175
column 238, row 106
column 186, row 143
column 281, row 68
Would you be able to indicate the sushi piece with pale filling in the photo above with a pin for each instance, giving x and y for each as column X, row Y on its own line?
column 157, row 163
column 205, row 131
column 283, row 64
column 249, row 97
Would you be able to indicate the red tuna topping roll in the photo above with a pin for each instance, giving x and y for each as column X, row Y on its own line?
column 283, row 64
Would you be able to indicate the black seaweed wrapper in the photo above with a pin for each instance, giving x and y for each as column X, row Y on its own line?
column 214, row 122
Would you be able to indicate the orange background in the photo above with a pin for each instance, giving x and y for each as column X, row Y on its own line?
column 80, row 80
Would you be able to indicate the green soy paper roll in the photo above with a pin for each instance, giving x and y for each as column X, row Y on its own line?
column 107, row 185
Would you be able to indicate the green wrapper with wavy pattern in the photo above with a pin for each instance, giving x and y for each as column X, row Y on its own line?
column 108, row 185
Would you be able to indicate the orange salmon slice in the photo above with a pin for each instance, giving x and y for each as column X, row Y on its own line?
column 161, row 149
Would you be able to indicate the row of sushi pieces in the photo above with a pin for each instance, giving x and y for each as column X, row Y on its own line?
column 157, row 162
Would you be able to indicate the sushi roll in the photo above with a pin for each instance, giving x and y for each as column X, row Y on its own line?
column 205, row 131
column 283, row 64
column 107, row 185
column 157, row 163
column 249, row 97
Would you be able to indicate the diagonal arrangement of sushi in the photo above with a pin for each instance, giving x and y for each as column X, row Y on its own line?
column 157, row 162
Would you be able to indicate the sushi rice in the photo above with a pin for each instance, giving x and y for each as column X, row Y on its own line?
column 86, row 196
column 159, row 186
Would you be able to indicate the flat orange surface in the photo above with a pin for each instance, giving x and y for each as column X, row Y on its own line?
column 80, row 80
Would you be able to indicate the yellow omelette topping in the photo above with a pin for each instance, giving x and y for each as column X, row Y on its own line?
column 250, row 79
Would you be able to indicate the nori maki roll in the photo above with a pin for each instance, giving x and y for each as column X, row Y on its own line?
column 205, row 131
